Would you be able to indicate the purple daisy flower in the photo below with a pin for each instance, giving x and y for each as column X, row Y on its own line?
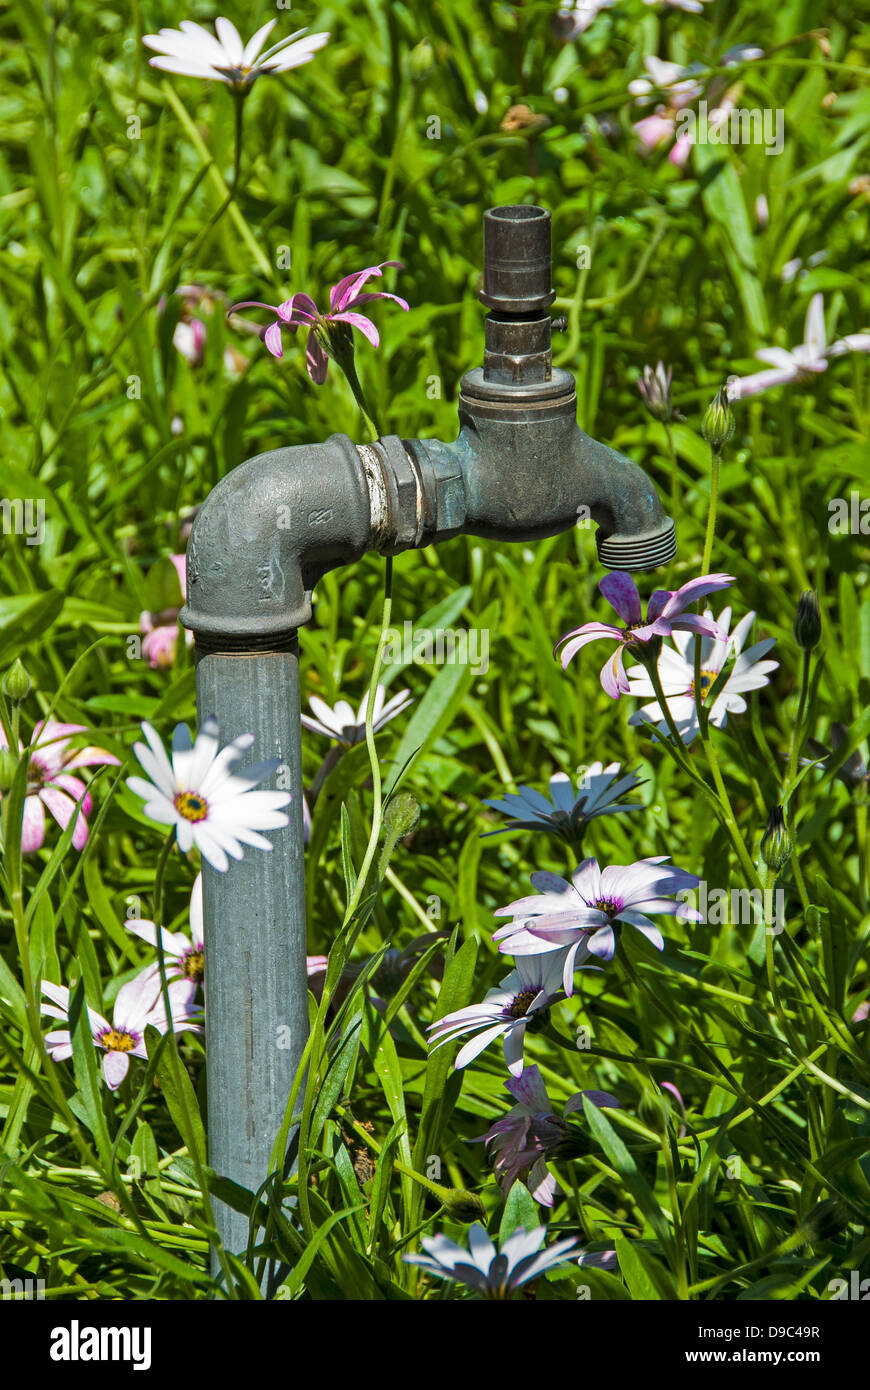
column 532, row 1132
column 577, row 916
column 328, row 334
column 520, row 1001
column 665, row 614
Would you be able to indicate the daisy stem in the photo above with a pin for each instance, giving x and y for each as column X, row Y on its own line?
column 353, row 381
column 238, row 125
column 377, row 804
column 715, row 456
column 675, row 477
column 656, row 680
column 797, row 733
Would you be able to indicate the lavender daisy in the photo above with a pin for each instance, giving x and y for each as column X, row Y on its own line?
column 642, row 638
column 532, row 1132
column 223, row 57
column 340, row 722
column 676, row 668
column 184, row 955
column 329, row 334
column 521, row 1001
column 567, row 812
column 138, row 1004
column 577, row 916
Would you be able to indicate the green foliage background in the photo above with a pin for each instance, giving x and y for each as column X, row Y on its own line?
column 111, row 179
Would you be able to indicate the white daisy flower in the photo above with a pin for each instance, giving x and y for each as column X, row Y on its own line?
column 340, row 722
column 206, row 797
column 567, row 812
column 223, row 57
column 676, row 669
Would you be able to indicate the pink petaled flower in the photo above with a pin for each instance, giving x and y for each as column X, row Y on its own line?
column 665, row 614
column 532, row 1132
column 160, row 630
column 49, row 783
column 138, row 1004
column 328, row 334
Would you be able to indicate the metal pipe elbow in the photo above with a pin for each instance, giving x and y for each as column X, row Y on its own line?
column 264, row 536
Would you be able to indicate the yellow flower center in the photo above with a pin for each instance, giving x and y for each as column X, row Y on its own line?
column 113, row 1041
column 191, row 805
column 193, row 965
column 707, row 679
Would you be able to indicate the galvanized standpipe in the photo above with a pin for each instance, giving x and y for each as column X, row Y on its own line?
column 255, row 977
column 519, row 470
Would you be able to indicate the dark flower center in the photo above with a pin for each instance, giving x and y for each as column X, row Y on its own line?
column 609, row 905
column 706, row 680
column 519, row 1006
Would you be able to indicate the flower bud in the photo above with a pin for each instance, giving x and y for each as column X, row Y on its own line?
column 420, row 60
column 654, row 1110
column 776, row 844
column 400, row 818
column 462, row 1206
column 807, row 625
column 17, row 685
column 718, row 424
column 655, row 391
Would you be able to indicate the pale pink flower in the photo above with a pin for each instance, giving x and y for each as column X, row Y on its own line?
column 138, row 1005
column 49, row 783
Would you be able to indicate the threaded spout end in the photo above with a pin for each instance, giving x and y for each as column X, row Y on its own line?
column 645, row 552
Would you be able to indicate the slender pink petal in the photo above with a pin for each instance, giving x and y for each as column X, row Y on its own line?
column 358, row 321
column 621, row 593
column 316, row 360
column 272, row 339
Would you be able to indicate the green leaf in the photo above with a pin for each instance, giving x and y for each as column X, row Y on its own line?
column 627, row 1169
column 34, row 617
column 180, row 1095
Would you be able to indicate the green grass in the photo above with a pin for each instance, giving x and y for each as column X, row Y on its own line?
column 765, row 1195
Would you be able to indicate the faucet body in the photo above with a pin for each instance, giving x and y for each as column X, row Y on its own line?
column 520, row 469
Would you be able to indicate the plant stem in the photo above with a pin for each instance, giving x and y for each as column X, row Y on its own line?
column 711, row 515
column 377, row 806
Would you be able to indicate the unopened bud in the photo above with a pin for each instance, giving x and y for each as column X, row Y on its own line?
column 462, row 1206
column 718, row 424
column 807, row 625
column 654, row 1110
column 400, row 818
column 17, row 685
column 420, row 60
column 776, row 844
column 655, row 391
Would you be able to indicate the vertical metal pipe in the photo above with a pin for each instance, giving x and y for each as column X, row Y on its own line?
column 254, row 914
